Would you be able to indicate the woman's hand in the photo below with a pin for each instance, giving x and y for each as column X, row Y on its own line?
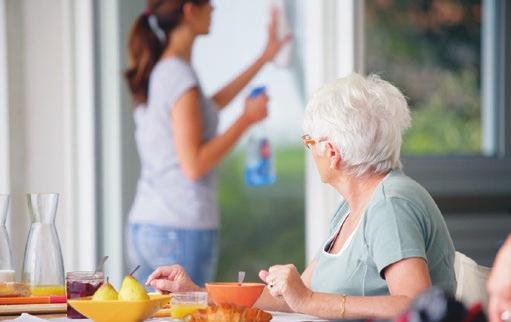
column 499, row 283
column 274, row 44
column 169, row 279
column 285, row 282
column 256, row 109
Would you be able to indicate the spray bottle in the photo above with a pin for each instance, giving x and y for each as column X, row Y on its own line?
column 259, row 162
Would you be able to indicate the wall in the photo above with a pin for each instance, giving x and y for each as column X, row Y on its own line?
column 41, row 124
column 4, row 113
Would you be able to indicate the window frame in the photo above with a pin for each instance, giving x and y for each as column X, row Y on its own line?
column 325, row 60
column 117, row 165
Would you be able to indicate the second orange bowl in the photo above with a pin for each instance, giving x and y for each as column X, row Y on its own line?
column 244, row 294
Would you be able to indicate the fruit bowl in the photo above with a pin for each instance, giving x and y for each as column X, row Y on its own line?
column 244, row 294
column 119, row 311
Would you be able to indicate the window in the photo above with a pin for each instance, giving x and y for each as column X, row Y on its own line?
column 431, row 50
column 260, row 226
column 448, row 57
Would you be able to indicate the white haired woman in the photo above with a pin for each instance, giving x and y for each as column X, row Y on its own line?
column 388, row 241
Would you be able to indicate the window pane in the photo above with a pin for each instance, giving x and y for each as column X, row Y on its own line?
column 260, row 226
column 431, row 50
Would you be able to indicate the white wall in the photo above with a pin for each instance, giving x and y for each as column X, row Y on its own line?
column 46, row 162
column 4, row 113
column 42, row 122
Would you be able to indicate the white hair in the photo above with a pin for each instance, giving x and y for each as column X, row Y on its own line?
column 364, row 117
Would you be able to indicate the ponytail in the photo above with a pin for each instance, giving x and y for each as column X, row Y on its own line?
column 145, row 49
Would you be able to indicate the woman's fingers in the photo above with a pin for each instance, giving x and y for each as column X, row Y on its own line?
column 156, row 274
column 272, row 28
column 161, row 272
column 263, row 274
column 276, row 268
column 164, row 285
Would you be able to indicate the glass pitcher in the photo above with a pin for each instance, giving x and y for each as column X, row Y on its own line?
column 7, row 272
column 43, row 267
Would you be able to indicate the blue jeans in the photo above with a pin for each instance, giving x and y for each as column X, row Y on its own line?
column 151, row 246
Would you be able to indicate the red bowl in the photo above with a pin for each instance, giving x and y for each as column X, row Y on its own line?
column 244, row 294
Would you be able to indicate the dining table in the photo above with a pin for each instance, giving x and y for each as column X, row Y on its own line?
column 277, row 317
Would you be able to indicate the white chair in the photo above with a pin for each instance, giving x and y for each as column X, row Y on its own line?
column 471, row 279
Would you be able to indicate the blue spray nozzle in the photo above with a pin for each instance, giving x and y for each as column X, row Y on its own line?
column 257, row 91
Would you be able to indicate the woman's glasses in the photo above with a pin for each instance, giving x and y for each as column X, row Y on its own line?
column 308, row 142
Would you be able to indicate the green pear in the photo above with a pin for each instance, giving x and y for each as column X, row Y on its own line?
column 105, row 293
column 131, row 289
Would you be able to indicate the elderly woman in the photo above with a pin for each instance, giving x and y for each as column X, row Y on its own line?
column 388, row 241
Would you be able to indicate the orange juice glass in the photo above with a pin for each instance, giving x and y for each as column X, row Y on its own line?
column 182, row 304
column 47, row 290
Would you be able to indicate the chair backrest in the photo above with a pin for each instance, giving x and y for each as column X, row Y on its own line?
column 471, row 280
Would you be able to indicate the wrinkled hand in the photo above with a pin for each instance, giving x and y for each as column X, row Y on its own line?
column 256, row 108
column 169, row 279
column 499, row 283
column 285, row 282
column 274, row 44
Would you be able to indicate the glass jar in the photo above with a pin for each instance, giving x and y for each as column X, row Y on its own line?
column 81, row 284
column 43, row 267
column 7, row 272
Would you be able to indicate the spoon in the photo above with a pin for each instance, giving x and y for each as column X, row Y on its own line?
column 100, row 264
column 241, row 277
column 136, row 269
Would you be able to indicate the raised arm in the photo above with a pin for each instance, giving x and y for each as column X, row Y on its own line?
column 195, row 156
column 225, row 95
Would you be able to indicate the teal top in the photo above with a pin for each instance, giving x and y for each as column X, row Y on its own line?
column 400, row 221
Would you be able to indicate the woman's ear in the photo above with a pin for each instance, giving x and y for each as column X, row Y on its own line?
column 188, row 11
column 334, row 155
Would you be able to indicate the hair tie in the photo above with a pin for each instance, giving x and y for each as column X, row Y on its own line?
column 153, row 24
column 147, row 12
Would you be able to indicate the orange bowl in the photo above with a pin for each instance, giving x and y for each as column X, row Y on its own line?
column 245, row 294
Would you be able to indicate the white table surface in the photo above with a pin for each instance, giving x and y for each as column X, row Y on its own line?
column 277, row 317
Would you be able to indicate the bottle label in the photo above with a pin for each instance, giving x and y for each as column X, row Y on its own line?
column 259, row 170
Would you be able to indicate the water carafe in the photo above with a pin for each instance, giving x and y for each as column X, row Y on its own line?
column 7, row 272
column 43, row 268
